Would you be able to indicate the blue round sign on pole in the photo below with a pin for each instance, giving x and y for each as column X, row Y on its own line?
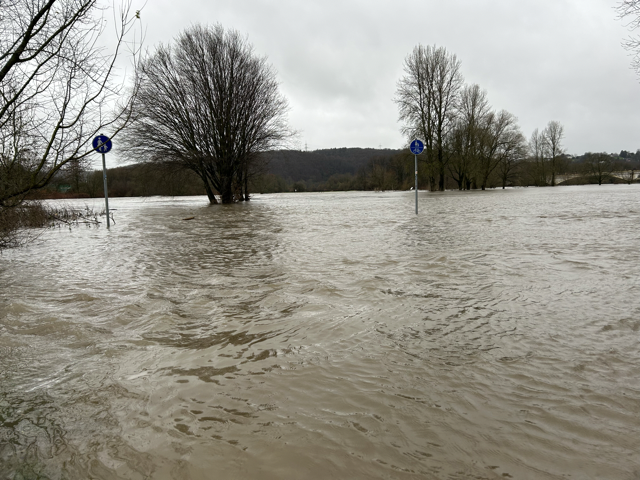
column 416, row 147
column 102, row 144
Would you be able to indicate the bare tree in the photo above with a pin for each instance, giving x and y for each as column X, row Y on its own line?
column 500, row 141
column 513, row 153
column 210, row 104
column 538, row 152
column 464, row 140
column 628, row 175
column 427, row 96
column 598, row 165
column 552, row 136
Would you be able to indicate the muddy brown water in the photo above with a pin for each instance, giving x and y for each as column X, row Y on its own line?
column 336, row 335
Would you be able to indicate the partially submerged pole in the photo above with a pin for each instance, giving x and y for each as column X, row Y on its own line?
column 416, row 148
column 416, row 187
column 102, row 144
column 106, row 191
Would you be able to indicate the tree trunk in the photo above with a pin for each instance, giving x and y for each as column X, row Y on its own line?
column 246, row 187
column 226, row 195
column 212, row 198
column 484, row 182
column 441, row 174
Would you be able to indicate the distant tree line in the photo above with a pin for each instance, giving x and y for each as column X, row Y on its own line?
column 465, row 139
column 340, row 169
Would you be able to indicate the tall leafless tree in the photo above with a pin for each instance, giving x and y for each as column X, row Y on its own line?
column 500, row 141
column 464, row 141
column 598, row 165
column 209, row 103
column 552, row 136
column 426, row 96
column 539, row 153
column 513, row 152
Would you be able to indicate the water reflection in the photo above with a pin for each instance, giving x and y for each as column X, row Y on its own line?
column 204, row 336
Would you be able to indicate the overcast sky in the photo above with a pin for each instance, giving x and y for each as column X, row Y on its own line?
column 339, row 61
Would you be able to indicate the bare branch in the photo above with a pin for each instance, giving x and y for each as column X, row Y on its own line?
column 56, row 87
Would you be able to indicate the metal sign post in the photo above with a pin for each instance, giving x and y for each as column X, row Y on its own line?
column 102, row 144
column 416, row 148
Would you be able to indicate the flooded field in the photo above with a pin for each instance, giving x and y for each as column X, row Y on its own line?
column 328, row 336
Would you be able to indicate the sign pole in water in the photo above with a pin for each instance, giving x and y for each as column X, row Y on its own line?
column 416, row 148
column 102, row 144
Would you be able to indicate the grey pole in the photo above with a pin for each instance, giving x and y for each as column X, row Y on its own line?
column 416, row 188
column 106, row 193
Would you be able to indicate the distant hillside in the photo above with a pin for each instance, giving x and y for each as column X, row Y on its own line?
column 317, row 166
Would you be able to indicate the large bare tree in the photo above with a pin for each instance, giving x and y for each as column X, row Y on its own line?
column 426, row 96
column 464, row 142
column 500, row 141
column 513, row 152
column 598, row 165
column 539, row 153
column 552, row 136
column 209, row 103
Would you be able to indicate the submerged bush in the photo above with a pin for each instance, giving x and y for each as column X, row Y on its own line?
column 23, row 222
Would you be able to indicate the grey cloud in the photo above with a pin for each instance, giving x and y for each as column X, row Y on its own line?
column 339, row 60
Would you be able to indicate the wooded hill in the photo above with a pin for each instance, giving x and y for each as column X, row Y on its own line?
column 318, row 166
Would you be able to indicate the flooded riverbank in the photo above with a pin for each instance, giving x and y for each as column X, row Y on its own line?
column 333, row 335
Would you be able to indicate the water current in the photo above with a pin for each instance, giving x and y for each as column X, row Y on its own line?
column 328, row 335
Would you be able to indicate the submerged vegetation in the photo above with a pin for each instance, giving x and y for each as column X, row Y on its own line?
column 21, row 223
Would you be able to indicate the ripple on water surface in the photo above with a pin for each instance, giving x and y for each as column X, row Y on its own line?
column 495, row 335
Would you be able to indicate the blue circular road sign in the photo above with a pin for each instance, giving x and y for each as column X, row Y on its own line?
column 416, row 147
column 102, row 144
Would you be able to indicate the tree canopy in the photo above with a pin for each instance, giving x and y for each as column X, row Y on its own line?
column 209, row 103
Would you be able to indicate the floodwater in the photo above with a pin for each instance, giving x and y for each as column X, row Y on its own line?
column 333, row 335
